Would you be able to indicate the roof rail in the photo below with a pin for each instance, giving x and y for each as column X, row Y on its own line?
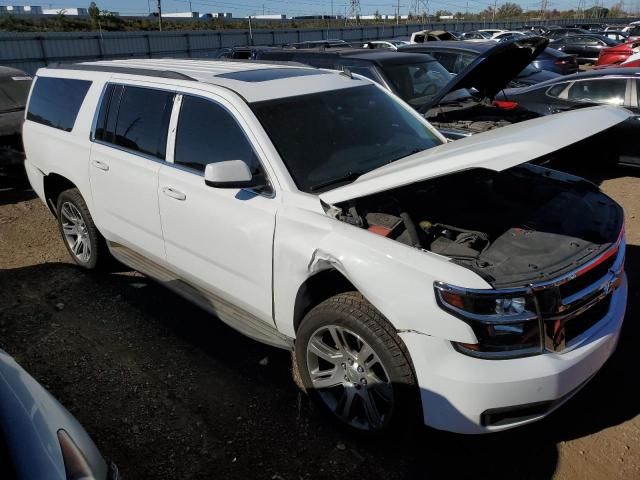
column 147, row 72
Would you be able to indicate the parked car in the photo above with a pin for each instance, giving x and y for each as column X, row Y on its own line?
column 586, row 48
column 385, row 44
column 611, row 86
column 591, row 27
column 507, row 35
column 456, row 56
column 618, row 35
column 617, row 54
column 552, row 60
column 414, row 77
column 315, row 211
column 557, row 33
column 39, row 438
column 14, row 89
column 475, row 36
column 431, row 36
column 458, row 106
column 337, row 43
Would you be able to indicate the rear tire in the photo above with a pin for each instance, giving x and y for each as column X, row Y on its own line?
column 351, row 361
column 84, row 242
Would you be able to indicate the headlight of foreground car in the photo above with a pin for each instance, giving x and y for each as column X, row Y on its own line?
column 506, row 323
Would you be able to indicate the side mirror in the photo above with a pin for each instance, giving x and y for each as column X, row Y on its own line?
column 229, row 174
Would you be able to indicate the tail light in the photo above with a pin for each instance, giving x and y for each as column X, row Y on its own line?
column 505, row 104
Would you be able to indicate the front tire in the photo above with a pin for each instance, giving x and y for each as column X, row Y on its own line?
column 351, row 361
column 84, row 242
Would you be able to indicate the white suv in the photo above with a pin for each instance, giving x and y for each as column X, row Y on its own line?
column 315, row 211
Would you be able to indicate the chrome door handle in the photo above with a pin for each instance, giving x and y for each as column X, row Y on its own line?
column 100, row 165
column 170, row 192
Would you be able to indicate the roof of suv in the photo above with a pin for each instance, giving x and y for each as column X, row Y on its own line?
column 253, row 80
column 378, row 56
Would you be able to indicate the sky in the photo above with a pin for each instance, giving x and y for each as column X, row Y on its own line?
column 242, row 8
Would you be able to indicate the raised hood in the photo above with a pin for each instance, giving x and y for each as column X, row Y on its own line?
column 496, row 150
column 492, row 71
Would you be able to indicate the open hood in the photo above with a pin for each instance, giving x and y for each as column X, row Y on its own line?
column 495, row 150
column 492, row 71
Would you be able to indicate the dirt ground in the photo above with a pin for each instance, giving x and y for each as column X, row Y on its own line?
column 167, row 391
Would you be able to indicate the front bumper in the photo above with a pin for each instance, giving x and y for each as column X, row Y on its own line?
column 463, row 394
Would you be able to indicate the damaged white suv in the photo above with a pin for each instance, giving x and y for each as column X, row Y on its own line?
column 315, row 211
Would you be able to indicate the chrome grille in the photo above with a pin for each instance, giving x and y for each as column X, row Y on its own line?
column 571, row 305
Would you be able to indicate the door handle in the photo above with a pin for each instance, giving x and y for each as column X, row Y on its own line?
column 100, row 165
column 173, row 193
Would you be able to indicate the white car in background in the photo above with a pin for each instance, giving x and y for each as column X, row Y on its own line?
column 415, row 280
column 385, row 44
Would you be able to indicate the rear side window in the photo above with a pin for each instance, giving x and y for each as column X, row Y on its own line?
column 55, row 102
column 556, row 90
column 135, row 118
column 207, row 133
column 599, row 91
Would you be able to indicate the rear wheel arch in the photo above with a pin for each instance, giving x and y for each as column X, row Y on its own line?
column 54, row 185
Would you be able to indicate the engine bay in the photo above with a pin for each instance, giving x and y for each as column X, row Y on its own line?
column 514, row 227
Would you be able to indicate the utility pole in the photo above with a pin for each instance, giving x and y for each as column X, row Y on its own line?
column 398, row 13
column 493, row 13
column 159, row 15
column 190, row 9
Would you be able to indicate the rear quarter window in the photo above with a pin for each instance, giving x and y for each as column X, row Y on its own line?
column 55, row 102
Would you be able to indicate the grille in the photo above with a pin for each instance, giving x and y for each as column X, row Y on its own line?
column 566, row 317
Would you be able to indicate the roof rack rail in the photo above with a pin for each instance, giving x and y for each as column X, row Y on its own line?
column 147, row 72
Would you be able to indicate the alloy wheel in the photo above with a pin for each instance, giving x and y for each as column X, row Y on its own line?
column 349, row 377
column 75, row 232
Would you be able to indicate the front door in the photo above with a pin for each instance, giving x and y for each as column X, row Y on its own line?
column 220, row 239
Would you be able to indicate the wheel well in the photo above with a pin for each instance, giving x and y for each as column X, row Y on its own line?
column 317, row 289
column 54, row 185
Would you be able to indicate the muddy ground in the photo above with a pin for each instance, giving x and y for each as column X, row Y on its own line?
column 168, row 391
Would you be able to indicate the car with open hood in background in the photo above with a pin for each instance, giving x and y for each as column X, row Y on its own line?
column 609, row 86
column 460, row 105
column 456, row 56
column 39, row 438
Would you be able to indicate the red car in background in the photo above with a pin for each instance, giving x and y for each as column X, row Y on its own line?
column 618, row 54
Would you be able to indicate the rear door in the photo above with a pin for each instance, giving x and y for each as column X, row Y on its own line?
column 219, row 239
column 129, row 147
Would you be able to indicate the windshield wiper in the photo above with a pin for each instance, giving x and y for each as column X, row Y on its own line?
column 349, row 177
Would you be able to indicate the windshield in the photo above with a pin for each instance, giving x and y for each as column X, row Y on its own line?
column 14, row 93
column 328, row 139
column 417, row 83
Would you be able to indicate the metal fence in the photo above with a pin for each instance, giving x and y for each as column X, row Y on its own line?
column 30, row 51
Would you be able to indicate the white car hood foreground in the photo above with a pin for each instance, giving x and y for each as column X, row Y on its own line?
column 493, row 150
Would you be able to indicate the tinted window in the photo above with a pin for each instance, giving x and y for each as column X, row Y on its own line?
column 417, row 83
column 599, row 91
column 106, row 122
column 352, row 131
column 14, row 93
column 556, row 90
column 56, row 101
column 143, row 120
column 368, row 72
column 447, row 60
column 207, row 133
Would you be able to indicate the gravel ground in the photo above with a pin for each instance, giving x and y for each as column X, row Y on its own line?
column 167, row 391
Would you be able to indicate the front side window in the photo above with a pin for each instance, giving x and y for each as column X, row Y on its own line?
column 143, row 120
column 607, row 91
column 330, row 138
column 208, row 133
column 55, row 102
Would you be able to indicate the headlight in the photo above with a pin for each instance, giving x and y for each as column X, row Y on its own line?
column 506, row 323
